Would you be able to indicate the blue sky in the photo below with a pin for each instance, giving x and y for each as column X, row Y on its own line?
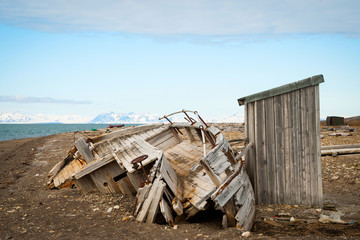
column 90, row 57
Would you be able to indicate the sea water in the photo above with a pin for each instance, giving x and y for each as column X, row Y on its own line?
column 18, row 131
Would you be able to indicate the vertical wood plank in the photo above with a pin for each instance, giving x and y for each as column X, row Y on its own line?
column 318, row 147
column 313, row 169
column 250, row 159
column 293, row 147
column 287, row 145
column 307, row 146
column 271, row 171
column 261, row 153
column 279, row 148
column 302, row 142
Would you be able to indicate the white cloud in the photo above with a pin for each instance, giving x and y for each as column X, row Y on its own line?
column 202, row 17
column 25, row 99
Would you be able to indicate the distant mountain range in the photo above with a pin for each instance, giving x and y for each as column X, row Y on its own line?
column 112, row 117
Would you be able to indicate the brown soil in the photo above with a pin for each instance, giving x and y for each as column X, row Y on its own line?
column 29, row 210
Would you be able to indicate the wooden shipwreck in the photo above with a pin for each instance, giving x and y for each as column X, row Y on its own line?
column 176, row 168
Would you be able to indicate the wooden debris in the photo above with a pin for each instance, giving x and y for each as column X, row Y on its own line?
column 171, row 171
column 335, row 150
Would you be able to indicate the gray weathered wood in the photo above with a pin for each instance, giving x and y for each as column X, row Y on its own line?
column 166, row 212
column 153, row 209
column 343, row 146
column 140, row 197
column 93, row 166
column 312, row 81
column 284, row 165
column 84, row 150
column 151, row 195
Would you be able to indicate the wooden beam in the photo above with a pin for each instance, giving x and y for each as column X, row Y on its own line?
column 84, row 150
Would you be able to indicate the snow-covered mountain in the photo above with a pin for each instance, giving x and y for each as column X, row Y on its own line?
column 106, row 118
column 7, row 117
column 126, row 118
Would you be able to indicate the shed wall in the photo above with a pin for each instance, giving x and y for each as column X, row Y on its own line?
column 285, row 164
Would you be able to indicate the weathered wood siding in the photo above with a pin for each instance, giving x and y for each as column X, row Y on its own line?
column 284, row 165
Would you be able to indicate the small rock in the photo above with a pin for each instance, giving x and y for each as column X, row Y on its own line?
column 126, row 218
column 36, row 175
column 324, row 218
column 199, row 235
column 318, row 210
column 336, row 177
column 96, row 209
column 292, row 219
column 109, row 210
column 269, row 209
column 335, row 217
column 175, row 227
column 245, row 234
column 116, row 207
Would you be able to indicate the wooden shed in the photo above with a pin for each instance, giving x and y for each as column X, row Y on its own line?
column 284, row 164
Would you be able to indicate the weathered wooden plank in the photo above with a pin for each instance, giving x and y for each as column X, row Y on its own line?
column 261, row 162
column 302, row 142
column 177, row 206
column 287, row 119
column 141, row 195
column 339, row 151
column 145, row 208
column 250, row 158
column 228, row 191
column 128, row 131
column 169, row 174
column 343, row 146
column 270, row 140
column 154, row 206
column 230, row 213
column 278, row 153
column 93, row 166
column 245, row 215
column 294, row 148
column 124, row 188
column 307, row 146
column 190, row 135
column 319, row 199
column 166, row 212
column 214, row 178
column 104, row 182
column 314, row 80
column 84, row 150
column 85, row 184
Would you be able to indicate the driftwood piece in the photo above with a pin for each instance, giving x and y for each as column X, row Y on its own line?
column 328, row 147
column 343, row 151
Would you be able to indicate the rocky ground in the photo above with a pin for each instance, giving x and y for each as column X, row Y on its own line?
column 29, row 210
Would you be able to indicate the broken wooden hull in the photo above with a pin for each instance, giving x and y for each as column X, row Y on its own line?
column 185, row 168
